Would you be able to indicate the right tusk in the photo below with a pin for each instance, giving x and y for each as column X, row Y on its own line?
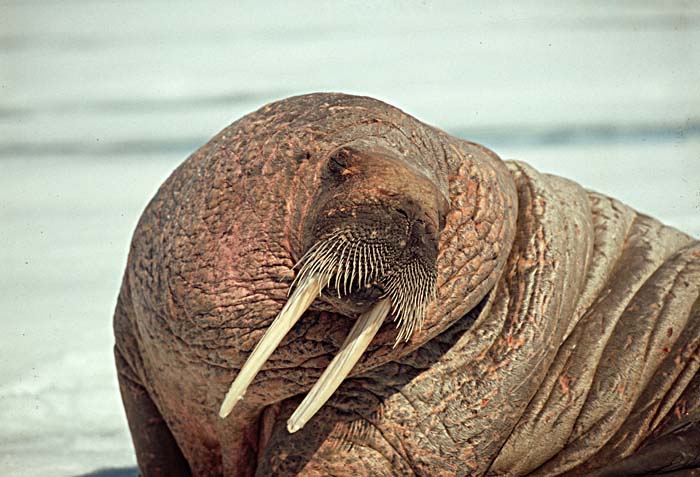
column 350, row 352
column 305, row 293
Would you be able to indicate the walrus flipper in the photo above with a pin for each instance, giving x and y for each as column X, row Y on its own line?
column 675, row 454
column 157, row 452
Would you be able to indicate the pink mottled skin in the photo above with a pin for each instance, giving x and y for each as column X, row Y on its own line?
column 563, row 340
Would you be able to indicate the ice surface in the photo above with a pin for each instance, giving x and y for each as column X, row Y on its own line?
column 99, row 101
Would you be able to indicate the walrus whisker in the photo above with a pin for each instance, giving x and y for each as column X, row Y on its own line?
column 313, row 251
column 344, row 266
column 360, row 264
column 354, row 264
column 410, row 290
column 347, row 264
column 366, row 264
column 320, row 260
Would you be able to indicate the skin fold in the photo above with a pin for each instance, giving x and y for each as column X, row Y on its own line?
column 562, row 338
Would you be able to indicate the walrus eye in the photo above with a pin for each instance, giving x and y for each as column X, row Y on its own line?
column 339, row 162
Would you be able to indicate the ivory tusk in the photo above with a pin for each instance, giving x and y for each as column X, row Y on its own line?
column 350, row 352
column 298, row 303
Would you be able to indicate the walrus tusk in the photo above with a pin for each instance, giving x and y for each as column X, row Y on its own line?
column 350, row 352
column 296, row 305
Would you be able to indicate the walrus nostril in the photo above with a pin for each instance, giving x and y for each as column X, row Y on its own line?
column 422, row 235
column 403, row 213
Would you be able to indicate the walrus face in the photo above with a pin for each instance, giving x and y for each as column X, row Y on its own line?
column 373, row 233
column 371, row 237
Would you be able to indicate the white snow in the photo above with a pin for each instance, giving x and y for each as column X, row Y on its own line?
column 99, row 101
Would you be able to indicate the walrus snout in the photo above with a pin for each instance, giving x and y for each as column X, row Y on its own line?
column 380, row 198
column 375, row 224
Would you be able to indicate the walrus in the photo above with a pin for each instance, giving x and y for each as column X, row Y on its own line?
column 331, row 287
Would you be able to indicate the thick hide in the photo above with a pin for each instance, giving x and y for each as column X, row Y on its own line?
column 564, row 338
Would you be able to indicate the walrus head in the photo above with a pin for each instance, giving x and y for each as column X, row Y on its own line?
column 372, row 244
column 372, row 232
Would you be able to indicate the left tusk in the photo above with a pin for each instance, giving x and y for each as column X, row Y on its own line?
column 305, row 293
column 350, row 352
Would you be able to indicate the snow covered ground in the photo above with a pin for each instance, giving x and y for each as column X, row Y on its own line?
column 99, row 101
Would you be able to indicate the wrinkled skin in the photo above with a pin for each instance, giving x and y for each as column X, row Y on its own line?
column 563, row 339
